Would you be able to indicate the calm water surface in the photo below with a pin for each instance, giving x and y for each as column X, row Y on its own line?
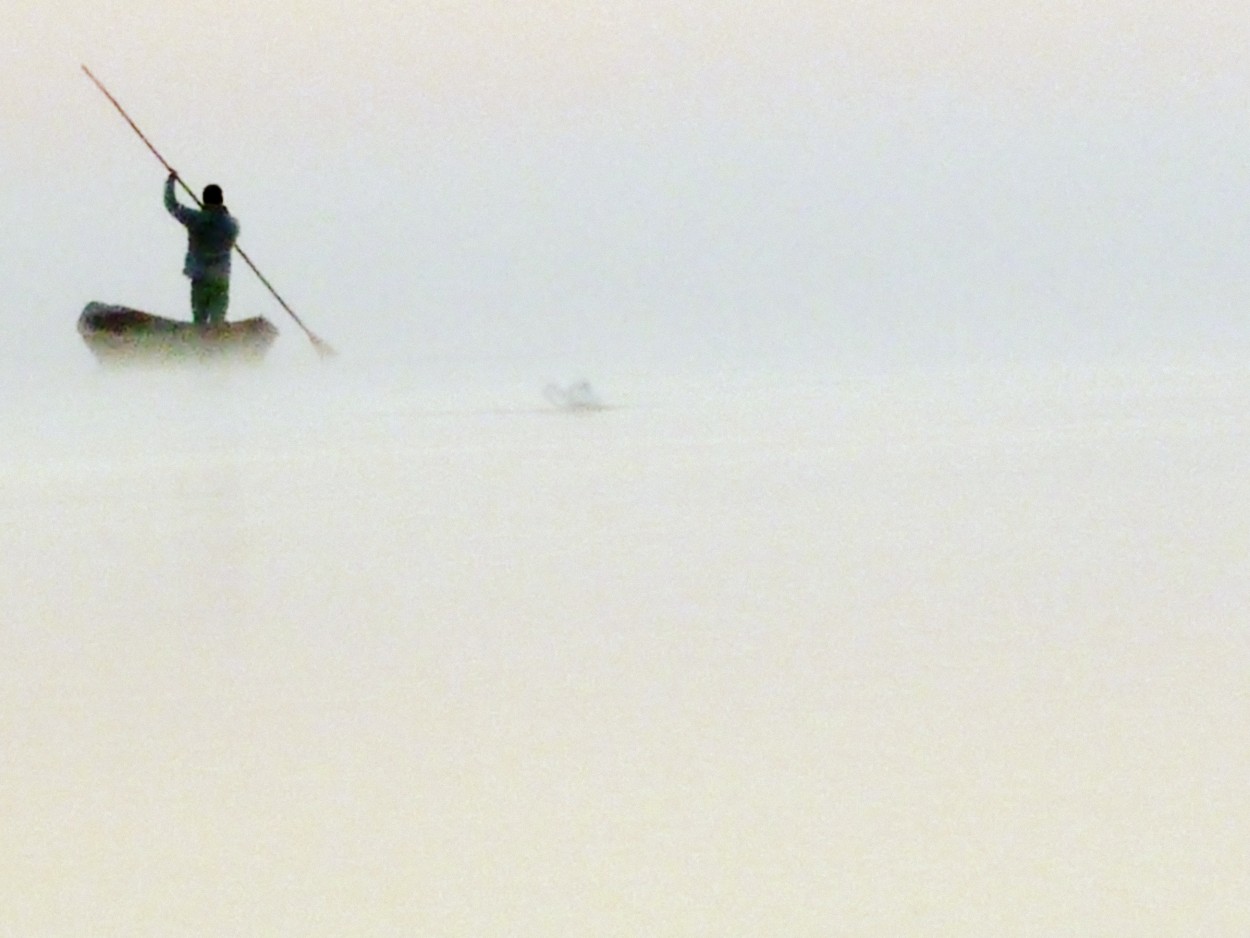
column 336, row 652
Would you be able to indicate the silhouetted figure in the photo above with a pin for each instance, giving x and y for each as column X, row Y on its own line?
column 211, row 233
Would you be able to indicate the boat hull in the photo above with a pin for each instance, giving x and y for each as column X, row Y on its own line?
column 120, row 335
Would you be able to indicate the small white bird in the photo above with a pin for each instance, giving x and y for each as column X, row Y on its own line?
column 577, row 396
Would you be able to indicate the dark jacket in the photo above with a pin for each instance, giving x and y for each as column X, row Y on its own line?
column 211, row 233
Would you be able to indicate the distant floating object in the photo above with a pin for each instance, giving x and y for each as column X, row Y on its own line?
column 579, row 396
column 120, row 335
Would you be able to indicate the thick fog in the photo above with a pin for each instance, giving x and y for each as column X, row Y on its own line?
column 824, row 182
column 784, row 473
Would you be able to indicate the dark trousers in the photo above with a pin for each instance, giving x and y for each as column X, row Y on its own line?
column 209, row 299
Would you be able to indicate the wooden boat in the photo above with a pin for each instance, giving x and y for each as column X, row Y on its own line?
column 120, row 335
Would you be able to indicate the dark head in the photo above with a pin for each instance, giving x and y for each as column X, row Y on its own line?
column 212, row 195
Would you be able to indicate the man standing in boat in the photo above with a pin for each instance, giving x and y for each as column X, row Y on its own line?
column 211, row 233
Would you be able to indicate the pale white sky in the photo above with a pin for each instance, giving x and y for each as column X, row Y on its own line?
column 577, row 176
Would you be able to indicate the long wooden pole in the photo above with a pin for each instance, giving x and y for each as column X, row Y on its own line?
column 323, row 348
